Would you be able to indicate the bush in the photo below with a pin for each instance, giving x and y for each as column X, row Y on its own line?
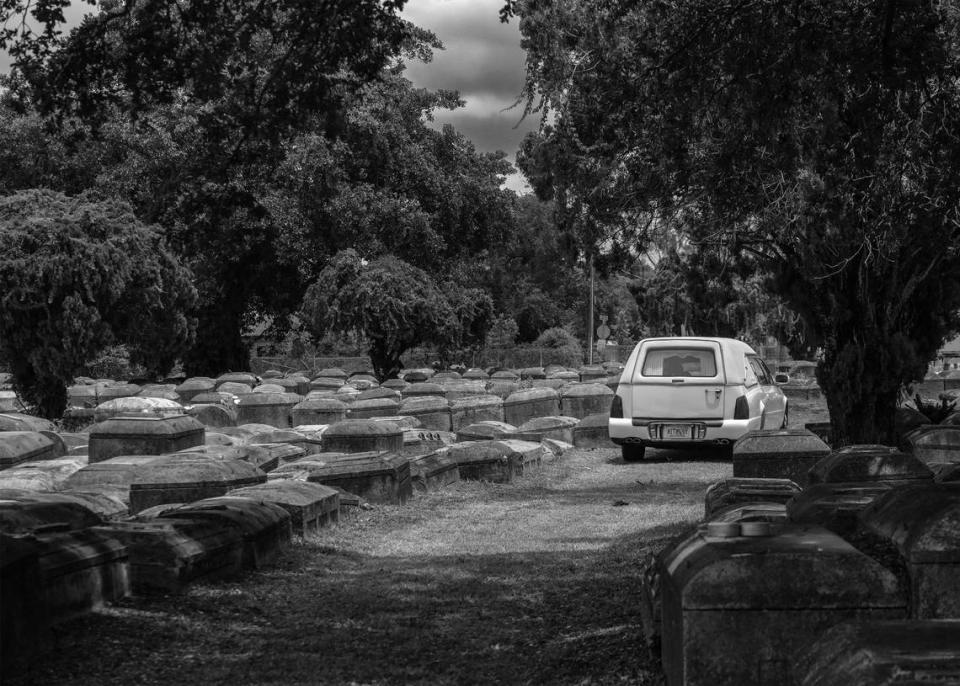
column 560, row 347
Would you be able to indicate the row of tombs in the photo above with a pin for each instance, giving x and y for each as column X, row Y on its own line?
column 147, row 502
column 815, row 566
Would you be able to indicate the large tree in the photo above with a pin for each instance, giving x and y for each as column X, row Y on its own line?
column 80, row 274
column 822, row 137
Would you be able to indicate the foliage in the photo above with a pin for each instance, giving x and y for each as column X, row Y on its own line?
column 503, row 332
column 819, row 137
column 78, row 275
column 113, row 362
column 560, row 347
column 394, row 305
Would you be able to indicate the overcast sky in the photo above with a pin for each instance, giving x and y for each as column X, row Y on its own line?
column 482, row 60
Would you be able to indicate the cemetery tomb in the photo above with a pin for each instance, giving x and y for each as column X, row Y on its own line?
column 361, row 384
column 906, row 419
column 554, row 447
column 883, row 653
column 215, row 438
column 165, row 555
column 934, row 444
column 165, row 391
column 215, row 416
column 309, row 444
column 265, row 527
column 26, row 512
column 923, row 522
column 347, row 394
column 463, row 389
column 113, row 391
column 319, row 411
column 505, row 375
column 522, row 406
column 226, row 389
column 395, row 384
column 528, row 454
column 558, row 384
column 24, row 624
column 310, row 505
column 434, row 470
column 17, row 447
column 420, row 442
column 73, row 440
column 581, row 400
column 486, row 431
column 143, row 436
column 272, row 374
column 422, row 388
column 564, row 374
column 859, row 463
column 17, row 421
column 446, row 376
column 301, row 383
column 136, row 406
column 380, row 477
column 379, row 392
column 593, row 432
column 778, row 454
column 738, row 600
column 363, row 435
column 465, row 411
column 486, row 461
column 401, row 420
column 475, row 374
column 85, row 395
column 836, row 506
column 324, row 383
column 45, row 475
column 538, row 428
column 9, row 402
column 272, row 387
column 242, row 378
column 593, row 372
column 739, row 490
column 751, row 512
column 222, row 398
column 260, row 456
column 106, row 502
column 245, row 432
column 502, row 388
column 375, row 407
column 112, row 476
column 417, row 375
column 80, row 571
column 273, row 409
column 185, row 478
column 367, row 378
column 331, row 373
column 195, row 385
column 433, row 412
column 532, row 373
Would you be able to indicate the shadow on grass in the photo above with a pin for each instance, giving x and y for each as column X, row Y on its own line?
column 328, row 616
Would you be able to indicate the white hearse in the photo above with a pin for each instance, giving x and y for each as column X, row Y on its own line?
column 690, row 390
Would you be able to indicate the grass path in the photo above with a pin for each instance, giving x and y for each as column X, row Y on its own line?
column 526, row 583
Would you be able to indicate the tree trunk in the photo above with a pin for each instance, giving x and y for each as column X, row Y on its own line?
column 48, row 394
column 860, row 379
column 386, row 362
column 219, row 346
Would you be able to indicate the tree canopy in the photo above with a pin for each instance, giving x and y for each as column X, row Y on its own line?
column 80, row 274
column 820, row 137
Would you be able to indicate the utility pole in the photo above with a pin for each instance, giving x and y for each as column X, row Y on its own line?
column 590, row 310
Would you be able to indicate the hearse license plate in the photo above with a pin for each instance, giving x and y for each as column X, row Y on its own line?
column 673, row 432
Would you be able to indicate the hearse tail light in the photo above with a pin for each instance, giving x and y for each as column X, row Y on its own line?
column 616, row 407
column 741, row 410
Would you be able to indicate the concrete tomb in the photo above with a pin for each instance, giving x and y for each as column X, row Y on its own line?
column 434, row 470
column 432, row 411
column 867, row 463
column 582, row 399
column 778, row 454
column 187, row 477
column 472, row 409
column 310, row 505
column 274, row 409
column 486, row 431
column 739, row 490
column 593, row 431
column 17, row 447
column 143, row 436
column 363, row 435
column 934, row 444
column 556, row 427
column 522, row 406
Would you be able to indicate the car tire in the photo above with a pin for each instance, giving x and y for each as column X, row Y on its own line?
column 632, row 453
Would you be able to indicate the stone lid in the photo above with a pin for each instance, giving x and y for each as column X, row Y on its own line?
column 379, row 392
column 180, row 469
column 119, row 390
column 531, row 395
column 134, row 406
column 445, row 376
column 396, row 384
column 592, row 421
column 417, row 375
column 475, row 402
column 796, row 568
column 922, row 520
column 23, row 512
column 783, row 489
column 232, row 388
column 403, row 421
column 215, row 398
column 375, row 404
column 196, row 384
column 260, row 399
column 270, row 387
column 564, row 375
column 327, row 383
column 250, row 516
column 777, row 444
column 330, row 373
column 17, row 421
column 533, row 373
column 548, row 423
column 476, row 373
column 486, row 430
column 363, row 427
column 288, row 492
column 424, row 388
column 582, row 390
column 424, row 404
column 506, row 375
column 474, row 452
column 245, row 378
column 245, row 431
column 868, row 463
column 757, row 511
column 324, row 404
column 23, row 445
column 123, row 427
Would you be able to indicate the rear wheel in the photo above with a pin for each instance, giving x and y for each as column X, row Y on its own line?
column 632, row 452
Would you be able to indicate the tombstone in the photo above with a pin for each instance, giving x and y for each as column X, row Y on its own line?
column 755, row 511
column 24, row 512
column 308, row 444
column 923, row 522
column 166, row 555
column 475, row 374
column 271, row 386
column 592, row 372
column 479, row 408
column 528, row 373
column 502, row 388
column 538, row 428
column 185, row 478
column 16, row 421
column 417, row 375
column 44, row 475
column 380, row 477
column 363, row 435
column 25, row 632
column 463, row 389
column 486, row 431
column 738, row 600
column 441, row 377
column 882, row 653
column 241, row 378
column 934, row 444
column 727, row 492
column 135, row 407
column 213, row 415
column 326, row 383
column 778, row 454
column 377, row 407
column 495, row 461
column 17, row 447
column 434, row 470
column 162, row 391
column 113, row 391
column 112, row 476
column 143, row 436
column 80, row 571
column 274, row 409
column 195, row 385
column 528, row 404
column 593, row 431
column 836, row 506
column 433, row 412
column 860, row 463
column 231, row 390
column 264, row 527
column 311, row 505
column 319, row 411
column 424, row 388
column 301, row 384
column 9, row 402
column 331, row 373
column 580, row 400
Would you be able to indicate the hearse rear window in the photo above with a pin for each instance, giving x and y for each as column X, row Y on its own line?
column 679, row 362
